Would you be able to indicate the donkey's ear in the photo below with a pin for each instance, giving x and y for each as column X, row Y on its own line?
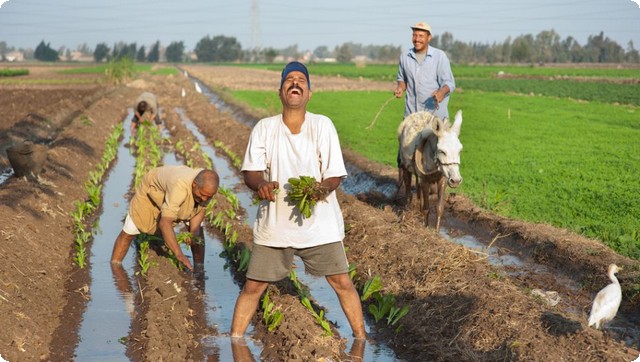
column 437, row 126
column 457, row 124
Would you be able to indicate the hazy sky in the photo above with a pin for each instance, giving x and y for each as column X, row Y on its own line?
column 308, row 24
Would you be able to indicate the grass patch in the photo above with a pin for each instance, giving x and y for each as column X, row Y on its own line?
column 10, row 72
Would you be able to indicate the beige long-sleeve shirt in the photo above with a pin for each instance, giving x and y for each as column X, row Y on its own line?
column 164, row 192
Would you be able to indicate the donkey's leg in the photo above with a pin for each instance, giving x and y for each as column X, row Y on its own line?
column 440, row 206
column 406, row 181
column 418, row 204
column 425, row 186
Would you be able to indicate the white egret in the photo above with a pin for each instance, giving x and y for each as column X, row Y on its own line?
column 607, row 301
column 198, row 88
column 184, row 93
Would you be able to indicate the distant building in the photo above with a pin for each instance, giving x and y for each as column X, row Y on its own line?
column 14, row 56
column 77, row 56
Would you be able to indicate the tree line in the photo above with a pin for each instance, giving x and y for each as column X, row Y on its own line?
column 545, row 47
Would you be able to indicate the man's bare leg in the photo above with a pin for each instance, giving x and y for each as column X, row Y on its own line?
column 349, row 301
column 121, row 247
column 246, row 306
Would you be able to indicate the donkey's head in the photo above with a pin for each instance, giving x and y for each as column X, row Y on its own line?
column 448, row 150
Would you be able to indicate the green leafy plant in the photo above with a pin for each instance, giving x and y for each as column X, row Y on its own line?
column 304, row 194
column 371, row 287
column 271, row 314
column 395, row 314
column 243, row 259
column 143, row 260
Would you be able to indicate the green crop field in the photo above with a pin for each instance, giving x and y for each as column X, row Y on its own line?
column 9, row 72
column 539, row 153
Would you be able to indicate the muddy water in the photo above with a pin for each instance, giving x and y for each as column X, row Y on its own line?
column 109, row 311
column 318, row 287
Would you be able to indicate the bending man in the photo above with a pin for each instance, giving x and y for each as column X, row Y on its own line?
column 167, row 195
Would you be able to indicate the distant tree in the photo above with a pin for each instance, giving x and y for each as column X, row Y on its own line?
column 67, row 54
column 322, row 52
column 154, row 53
column 544, row 44
column 101, row 52
column 506, row 50
column 446, row 42
column 343, row 53
column 521, row 49
column 389, row 53
column 141, row 55
column 45, row 53
column 175, row 52
column 290, row 52
column 84, row 49
column 270, row 54
column 218, row 49
column 632, row 55
column 129, row 51
column 3, row 48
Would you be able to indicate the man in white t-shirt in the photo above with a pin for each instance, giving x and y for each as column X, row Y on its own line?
column 293, row 144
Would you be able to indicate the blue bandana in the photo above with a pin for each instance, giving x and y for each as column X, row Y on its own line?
column 295, row 67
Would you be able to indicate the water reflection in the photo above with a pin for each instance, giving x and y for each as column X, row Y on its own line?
column 240, row 350
column 123, row 285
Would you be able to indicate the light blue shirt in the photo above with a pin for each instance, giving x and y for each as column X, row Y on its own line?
column 422, row 79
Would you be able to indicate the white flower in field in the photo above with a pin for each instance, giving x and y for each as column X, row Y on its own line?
column 607, row 301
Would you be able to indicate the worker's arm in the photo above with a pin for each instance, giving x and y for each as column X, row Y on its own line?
column 265, row 189
column 166, row 228
column 195, row 223
column 325, row 187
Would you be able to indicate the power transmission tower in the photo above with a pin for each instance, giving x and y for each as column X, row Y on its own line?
column 255, row 25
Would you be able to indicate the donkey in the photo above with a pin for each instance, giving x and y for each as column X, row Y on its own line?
column 430, row 150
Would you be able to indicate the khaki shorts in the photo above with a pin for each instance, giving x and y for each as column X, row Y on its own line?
column 270, row 264
column 129, row 227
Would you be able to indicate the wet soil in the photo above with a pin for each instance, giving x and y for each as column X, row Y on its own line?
column 462, row 307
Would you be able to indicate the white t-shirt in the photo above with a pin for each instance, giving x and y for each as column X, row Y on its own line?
column 315, row 151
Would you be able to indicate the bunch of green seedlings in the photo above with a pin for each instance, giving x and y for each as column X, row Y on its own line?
column 271, row 315
column 304, row 299
column 93, row 187
column 385, row 304
column 304, row 192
